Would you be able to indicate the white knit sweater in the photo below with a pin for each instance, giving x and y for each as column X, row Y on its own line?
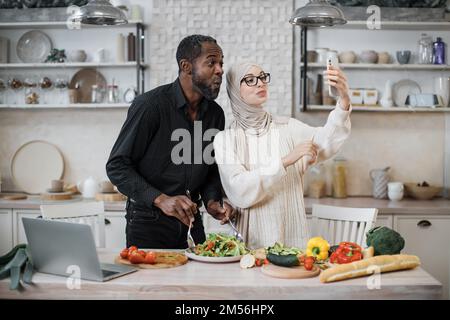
column 272, row 194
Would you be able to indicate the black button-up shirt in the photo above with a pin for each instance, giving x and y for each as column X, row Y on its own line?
column 141, row 162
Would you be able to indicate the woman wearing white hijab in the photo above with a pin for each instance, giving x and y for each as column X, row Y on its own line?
column 262, row 158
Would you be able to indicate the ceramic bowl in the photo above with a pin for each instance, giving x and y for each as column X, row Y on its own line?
column 368, row 56
column 77, row 56
column 384, row 58
column 422, row 193
column 347, row 57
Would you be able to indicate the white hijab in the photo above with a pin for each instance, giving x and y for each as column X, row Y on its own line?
column 251, row 119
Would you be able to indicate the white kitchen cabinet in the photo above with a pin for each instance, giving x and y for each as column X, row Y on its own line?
column 384, row 221
column 6, row 234
column 18, row 231
column 428, row 237
column 115, row 224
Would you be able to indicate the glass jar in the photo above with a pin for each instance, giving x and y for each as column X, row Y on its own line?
column 317, row 185
column 425, row 54
column 113, row 94
column 339, row 178
column 97, row 94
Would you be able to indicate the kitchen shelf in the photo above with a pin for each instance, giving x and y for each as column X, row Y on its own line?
column 378, row 109
column 66, row 106
column 70, row 65
column 398, row 25
column 60, row 24
column 391, row 66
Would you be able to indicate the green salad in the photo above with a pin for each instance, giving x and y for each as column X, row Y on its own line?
column 280, row 250
column 220, row 245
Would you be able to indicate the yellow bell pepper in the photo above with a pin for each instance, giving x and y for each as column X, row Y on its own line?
column 318, row 248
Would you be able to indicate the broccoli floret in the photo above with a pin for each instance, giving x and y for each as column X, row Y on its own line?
column 385, row 241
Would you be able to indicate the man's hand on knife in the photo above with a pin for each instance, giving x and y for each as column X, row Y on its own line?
column 180, row 207
column 225, row 213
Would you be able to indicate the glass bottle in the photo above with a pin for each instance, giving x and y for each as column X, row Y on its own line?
column 339, row 178
column 317, row 185
column 425, row 53
column 439, row 51
column 113, row 94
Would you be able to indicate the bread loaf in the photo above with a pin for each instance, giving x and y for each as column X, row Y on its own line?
column 369, row 266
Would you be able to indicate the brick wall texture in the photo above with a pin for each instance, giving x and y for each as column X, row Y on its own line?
column 255, row 30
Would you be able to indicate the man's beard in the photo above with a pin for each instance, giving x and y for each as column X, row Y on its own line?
column 207, row 91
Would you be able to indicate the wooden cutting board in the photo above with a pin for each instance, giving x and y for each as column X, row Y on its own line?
column 13, row 196
column 298, row 272
column 56, row 196
column 164, row 259
column 110, row 197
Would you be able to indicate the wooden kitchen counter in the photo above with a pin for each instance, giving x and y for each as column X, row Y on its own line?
column 202, row 281
column 438, row 206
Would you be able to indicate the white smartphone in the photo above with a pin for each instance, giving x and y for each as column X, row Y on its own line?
column 332, row 61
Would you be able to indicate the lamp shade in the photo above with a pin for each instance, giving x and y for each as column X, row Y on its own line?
column 318, row 13
column 99, row 12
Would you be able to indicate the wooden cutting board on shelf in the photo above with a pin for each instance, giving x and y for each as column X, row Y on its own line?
column 13, row 196
column 110, row 197
column 56, row 196
column 164, row 259
column 298, row 272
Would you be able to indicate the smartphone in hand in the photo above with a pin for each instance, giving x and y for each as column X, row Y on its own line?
column 332, row 61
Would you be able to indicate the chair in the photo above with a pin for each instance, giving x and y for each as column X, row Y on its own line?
column 90, row 213
column 337, row 224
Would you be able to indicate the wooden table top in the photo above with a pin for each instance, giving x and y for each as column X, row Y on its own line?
column 197, row 280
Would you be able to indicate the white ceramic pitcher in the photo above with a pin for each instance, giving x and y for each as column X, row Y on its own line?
column 380, row 178
column 88, row 187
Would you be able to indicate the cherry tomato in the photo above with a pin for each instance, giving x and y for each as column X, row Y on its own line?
column 309, row 263
column 150, row 258
column 266, row 261
column 142, row 253
column 131, row 249
column 210, row 245
column 124, row 254
column 258, row 262
column 136, row 258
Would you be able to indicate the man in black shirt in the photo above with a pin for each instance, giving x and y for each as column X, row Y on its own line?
column 162, row 159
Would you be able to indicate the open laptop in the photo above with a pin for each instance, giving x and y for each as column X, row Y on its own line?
column 58, row 247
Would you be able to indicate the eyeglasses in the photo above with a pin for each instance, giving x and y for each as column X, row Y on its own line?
column 252, row 80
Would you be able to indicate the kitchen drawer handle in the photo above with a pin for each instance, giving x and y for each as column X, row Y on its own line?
column 107, row 221
column 424, row 224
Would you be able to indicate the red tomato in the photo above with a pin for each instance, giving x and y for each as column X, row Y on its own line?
column 342, row 259
column 210, row 245
column 132, row 248
column 124, row 254
column 136, row 258
column 301, row 259
column 150, row 258
column 142, row 253
column 266, row 261
column 309, row 263
column 334, row 256
column 258, row 262
column 357, row 256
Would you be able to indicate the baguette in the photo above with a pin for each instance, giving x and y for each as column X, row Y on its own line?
column 365, row 267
